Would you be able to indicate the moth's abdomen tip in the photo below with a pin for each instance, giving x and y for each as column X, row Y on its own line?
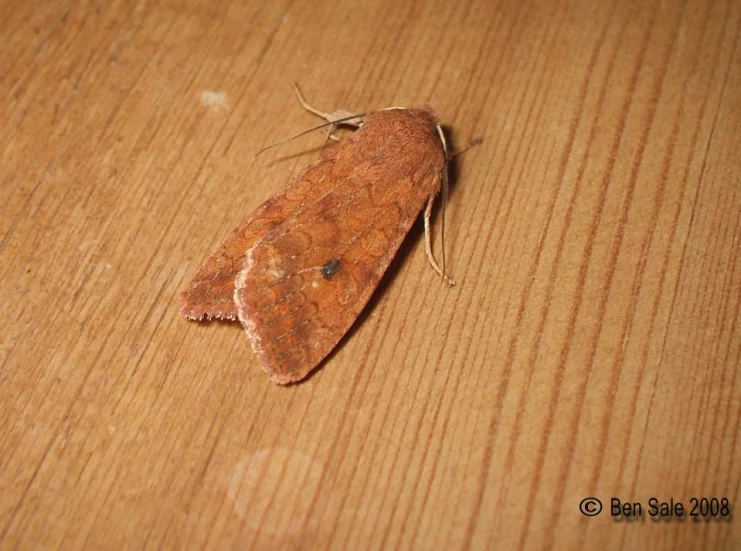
column 253, row 328
column 286, row 372
column 281, row 372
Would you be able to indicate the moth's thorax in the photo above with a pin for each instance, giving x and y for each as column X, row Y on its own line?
column 403, row 137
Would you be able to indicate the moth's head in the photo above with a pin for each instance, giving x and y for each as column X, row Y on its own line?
column 430, row 110
column 426, row 110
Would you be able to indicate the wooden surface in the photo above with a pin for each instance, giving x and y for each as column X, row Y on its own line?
column 591, row 347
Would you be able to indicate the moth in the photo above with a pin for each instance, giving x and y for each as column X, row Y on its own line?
column 301, row 268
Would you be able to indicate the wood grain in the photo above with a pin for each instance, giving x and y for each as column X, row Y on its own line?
column 591, row 347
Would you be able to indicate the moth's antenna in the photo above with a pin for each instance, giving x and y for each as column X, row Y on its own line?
column 428, row 208
column 445, row 195
column 330, row 123
column 428, row 216
column 472, row 143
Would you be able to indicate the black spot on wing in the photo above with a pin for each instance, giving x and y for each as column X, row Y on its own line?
column 330, row 268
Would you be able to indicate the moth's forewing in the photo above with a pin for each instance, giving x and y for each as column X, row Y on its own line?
column 210, row 294
column 306, row 280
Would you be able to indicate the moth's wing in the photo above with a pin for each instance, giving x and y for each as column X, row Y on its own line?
column 305, row 282
column 210, row 294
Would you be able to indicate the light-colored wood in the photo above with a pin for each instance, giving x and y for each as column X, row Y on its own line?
column 591, row 347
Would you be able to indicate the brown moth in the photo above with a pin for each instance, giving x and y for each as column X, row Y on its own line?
column 301, row 268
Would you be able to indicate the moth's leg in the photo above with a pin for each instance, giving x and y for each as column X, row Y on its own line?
column 329, row 117
column 330, row 136
column 309, row 108
column 428, row 244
